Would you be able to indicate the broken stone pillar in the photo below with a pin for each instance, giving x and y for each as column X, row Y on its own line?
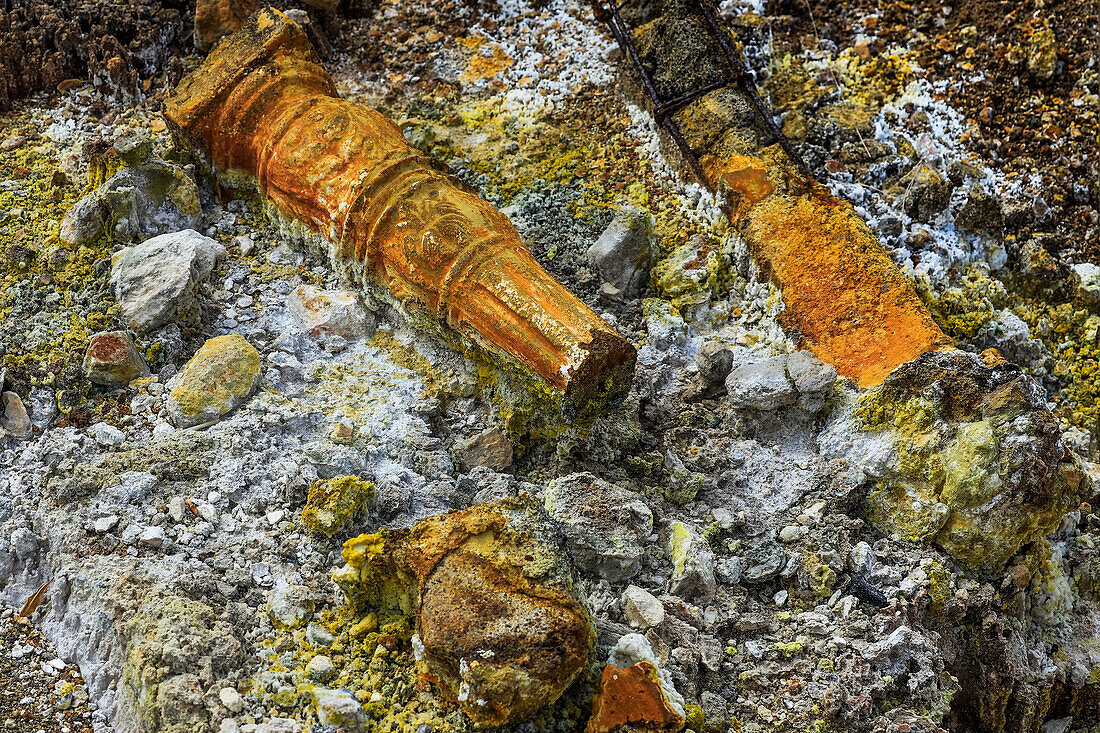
column 263, row 104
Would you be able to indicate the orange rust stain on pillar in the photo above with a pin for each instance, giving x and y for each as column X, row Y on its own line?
column 262, row 103
column 842, row 293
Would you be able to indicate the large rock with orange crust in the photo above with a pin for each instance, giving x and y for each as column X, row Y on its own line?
column 498, row 626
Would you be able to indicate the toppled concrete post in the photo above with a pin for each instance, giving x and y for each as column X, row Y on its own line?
column 263, row 104
column 843, row 295
column 498, row 626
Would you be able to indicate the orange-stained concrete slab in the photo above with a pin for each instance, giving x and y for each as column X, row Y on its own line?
column 843, row 295
column 262, row 103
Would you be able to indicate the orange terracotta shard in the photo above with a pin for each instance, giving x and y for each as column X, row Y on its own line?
column 631, row 699
column 263, row 104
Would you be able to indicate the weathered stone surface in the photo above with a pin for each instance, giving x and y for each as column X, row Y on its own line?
column 341, row 709
column 692, row 563
column 155, row 281
column 112, row 360
column 714, row 361
column 220, row 377
column 635, row 694
column 961, row 454
column 490, row 448
column 623, row 251
column 497, row 623
column 290, row 606
column 927, row 192
column 333, row 503
column 330, row 312
column 604, row 525
column 137, row 202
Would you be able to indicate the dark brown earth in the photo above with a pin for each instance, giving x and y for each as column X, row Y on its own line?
column 1028, row 123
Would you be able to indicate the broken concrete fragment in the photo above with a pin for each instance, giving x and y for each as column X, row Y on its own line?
column 262, row 103
column 497, row 623
column 604, row 525
column 330, row 312
column 155, row 281
column 220, row 377
column 961, row 454
column 112, row 360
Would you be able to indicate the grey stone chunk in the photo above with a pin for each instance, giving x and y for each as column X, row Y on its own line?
column 810, row 374
column 320, row 668
column 82, row 223
column 623, row 251
column 714, row 360
column 489, row 448
column 761, row 385
column 604, row 525
column 290, row 606
column 762, row 563
column 692, row 563
column 340, row 708
column 155, row 281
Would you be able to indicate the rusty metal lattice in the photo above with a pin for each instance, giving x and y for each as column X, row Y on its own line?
column 740, row 76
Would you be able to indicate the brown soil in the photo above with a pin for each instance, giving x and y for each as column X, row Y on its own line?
column 1028, row 124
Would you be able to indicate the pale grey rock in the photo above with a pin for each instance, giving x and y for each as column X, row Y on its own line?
column 623, row 252
column 692, row 563
column 290, row 606
column 155, row 281
column 107, row 435
column 105, row 524
column 340, row 708
column 83, row 222
column 809, row 374
column 319, row 636
column 320, row 668
column 152, row 536
column 791, row 533
column 762, row 563
column 327, row 312
column 231, row 699
column 761, row 385
column 641, row 608
column 604, row 525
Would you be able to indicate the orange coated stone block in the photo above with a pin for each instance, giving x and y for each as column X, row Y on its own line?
column 631, row 699
column 262, row 103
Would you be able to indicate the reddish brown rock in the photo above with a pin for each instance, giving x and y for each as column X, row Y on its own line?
column 112, row 360
column 632, row 699
column 498, row 626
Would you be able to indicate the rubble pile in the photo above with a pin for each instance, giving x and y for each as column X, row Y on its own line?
column 390, row 366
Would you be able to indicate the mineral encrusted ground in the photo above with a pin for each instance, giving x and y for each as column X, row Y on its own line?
column 715, row 524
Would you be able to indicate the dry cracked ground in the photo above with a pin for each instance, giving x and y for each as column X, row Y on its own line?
column 230, row 467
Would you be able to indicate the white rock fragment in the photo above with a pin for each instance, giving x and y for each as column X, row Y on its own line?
column 152, row 536
column 107, row 435
column 330, row 312
column 641, row 608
